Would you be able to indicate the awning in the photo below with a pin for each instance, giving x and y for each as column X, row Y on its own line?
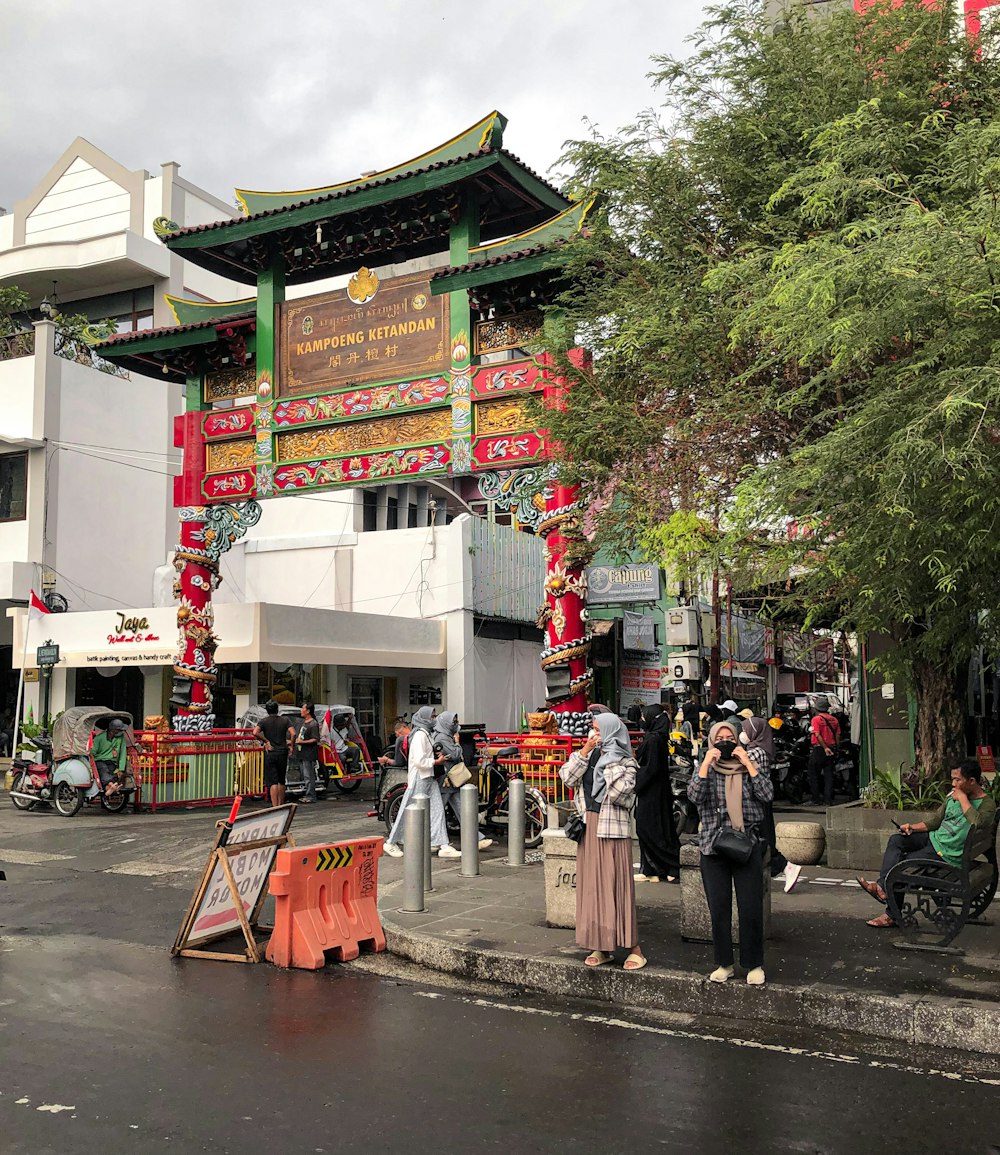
column 251, row 632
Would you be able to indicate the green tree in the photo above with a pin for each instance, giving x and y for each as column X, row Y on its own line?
column 792, row 298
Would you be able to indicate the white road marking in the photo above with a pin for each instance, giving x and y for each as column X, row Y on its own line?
column 32, row 857
column 54, row 1108
column 751, row 1044
column 21, row 1102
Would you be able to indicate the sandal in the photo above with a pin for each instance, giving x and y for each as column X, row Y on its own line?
column 598, row 958
column 882, row 920
column 872, row 888
column 635, row 962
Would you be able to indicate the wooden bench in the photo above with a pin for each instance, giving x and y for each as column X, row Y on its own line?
column 947, row 896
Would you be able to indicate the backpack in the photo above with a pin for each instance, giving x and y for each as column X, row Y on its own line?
column 827, row 730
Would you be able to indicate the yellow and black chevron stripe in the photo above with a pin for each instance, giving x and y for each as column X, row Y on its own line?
column 334, row 857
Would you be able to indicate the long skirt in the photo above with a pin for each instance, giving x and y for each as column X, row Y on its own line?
column 605, row 891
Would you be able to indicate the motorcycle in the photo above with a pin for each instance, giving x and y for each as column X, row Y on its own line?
column 493, row 777
column 68, row 776
column 789, row 774
column 681, row 768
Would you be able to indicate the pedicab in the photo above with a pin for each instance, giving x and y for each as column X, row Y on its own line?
column 70, row 777
column 331, row 766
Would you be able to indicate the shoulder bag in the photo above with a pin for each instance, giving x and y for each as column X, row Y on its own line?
column 458, row 775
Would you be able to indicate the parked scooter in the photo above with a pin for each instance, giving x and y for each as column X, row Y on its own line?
column 682, row 763
column 67, row 777
column 791, row 760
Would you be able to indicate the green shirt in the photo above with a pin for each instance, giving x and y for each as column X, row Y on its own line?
column 105, row 749
column 950, row 826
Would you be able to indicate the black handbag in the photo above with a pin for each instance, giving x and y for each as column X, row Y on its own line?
column 575, row 828
column 736, row 845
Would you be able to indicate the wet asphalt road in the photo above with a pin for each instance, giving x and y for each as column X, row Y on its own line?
column 108, row 1046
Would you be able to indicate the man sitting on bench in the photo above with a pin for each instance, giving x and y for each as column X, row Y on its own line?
column 942, row 837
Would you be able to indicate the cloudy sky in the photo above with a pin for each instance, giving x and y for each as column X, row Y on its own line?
column 287, row 94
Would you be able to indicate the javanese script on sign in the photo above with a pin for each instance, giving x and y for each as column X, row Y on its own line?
column 329, row 340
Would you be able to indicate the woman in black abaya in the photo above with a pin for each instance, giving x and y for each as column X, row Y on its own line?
column 659, row 845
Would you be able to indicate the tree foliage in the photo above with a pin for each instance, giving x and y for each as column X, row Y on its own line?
column 793, row 298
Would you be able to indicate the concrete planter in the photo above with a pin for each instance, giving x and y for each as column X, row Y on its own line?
column 802, row 843
column 856, row 836
column 696, row 922
column 560, row 878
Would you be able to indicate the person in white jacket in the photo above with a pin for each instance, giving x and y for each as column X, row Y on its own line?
column 421, row 781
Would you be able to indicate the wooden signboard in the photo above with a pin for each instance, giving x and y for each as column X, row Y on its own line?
column 233, row 885
column 370, row 331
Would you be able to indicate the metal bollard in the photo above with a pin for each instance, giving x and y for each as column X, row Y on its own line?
column 515, row 822
column 424, row 803
column 413, row 860
column 468, row 802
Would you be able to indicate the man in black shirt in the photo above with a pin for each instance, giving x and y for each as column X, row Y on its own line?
column 307, row 741
column 278, row 734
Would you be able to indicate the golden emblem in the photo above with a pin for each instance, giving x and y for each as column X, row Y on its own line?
column 419, row 301
column 362, row 286
column 307, row 325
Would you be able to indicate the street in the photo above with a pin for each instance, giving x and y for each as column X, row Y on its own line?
column 110, row 1046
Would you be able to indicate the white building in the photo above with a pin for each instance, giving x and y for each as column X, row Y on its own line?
column 85, row 449
column 386, row 598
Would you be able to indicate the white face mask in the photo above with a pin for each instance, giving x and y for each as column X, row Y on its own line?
column 744, row 740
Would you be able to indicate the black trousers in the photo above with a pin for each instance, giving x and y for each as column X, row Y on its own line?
column 720, row 876
column 767, row 832
column 820, row 763
column 902, row 846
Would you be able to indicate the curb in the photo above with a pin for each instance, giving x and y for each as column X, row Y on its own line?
column 921, row 1020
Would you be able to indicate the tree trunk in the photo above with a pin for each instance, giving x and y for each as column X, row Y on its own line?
column 940, row 715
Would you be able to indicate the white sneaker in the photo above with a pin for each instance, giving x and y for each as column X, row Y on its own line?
column 392, row 850
column 485, row 843
column 721, row 974
column 447, row 851
column 755, row 978
column 791, row 873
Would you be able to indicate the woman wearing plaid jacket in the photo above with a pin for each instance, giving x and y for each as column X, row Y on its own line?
column 602, row 776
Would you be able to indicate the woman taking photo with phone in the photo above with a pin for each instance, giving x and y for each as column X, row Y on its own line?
column 731, row 795
column 602, row 777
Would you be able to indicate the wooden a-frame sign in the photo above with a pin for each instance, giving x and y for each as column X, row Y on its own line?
column 233, row 885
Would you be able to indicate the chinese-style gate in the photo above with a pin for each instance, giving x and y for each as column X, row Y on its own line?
column 387, row 380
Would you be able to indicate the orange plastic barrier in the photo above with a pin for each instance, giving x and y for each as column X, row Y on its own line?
column 325, row 902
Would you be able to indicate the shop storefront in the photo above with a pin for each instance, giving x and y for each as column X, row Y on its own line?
column 380, row 665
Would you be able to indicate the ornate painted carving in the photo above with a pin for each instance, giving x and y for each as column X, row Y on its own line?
column 506, row 449
column 228, row 383
column 263, row 440
column 510, row 376
column 502, row 333
column 522, row 491
column 223, row 486
column 362, row 436
column 461, row 404
column 360, row 402
column 500, row 417
column 432, row 459
column 229, row 455
column 228, row 422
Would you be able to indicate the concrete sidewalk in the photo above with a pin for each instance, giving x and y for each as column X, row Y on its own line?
column 825, row 968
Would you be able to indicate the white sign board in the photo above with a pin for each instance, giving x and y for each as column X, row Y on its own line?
column 216, row 913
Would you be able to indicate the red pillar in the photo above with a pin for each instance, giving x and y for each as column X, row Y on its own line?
column 564, row 658
column 194, row 666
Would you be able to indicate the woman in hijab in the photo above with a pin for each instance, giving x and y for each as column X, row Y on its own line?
column 445, row 739
column 730, row 791
column 602, row 775
column 659, row 845
column 758, row 738
column 421, row 761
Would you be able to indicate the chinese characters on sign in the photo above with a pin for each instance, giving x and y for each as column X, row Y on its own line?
column 330, row 340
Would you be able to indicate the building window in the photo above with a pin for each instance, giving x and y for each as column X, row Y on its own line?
column 369, row 511
column 392, row 513
column 13, row 487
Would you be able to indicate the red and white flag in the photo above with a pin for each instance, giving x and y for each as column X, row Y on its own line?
column 36, row 608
